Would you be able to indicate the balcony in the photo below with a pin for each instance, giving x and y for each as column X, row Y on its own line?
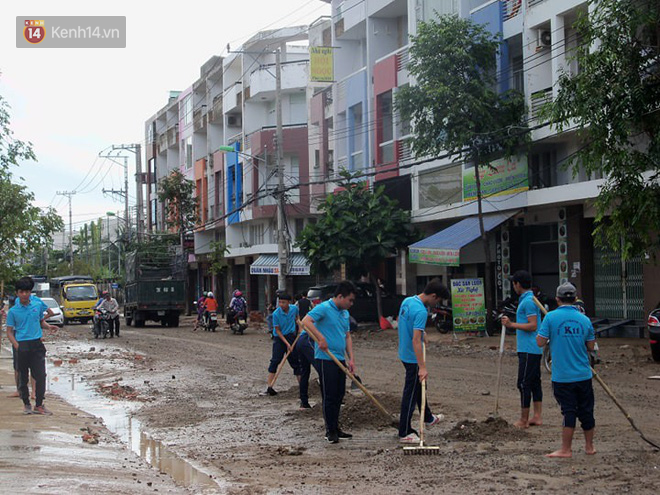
column 294, row 76
column 232, row 97
column 173, row 136
column 215, row 115
column 538, row 100
column 511, row 8
column 199, row 119
column 162, row 142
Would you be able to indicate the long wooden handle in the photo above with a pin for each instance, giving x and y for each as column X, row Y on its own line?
column 355, row 380
column 608, row 391
column 422, row 412
column 286, row 356
column 499, row 369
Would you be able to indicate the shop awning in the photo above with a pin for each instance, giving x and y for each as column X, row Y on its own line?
column 266, row 264
column 443, row 248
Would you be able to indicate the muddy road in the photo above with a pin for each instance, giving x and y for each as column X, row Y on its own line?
column 198, row 393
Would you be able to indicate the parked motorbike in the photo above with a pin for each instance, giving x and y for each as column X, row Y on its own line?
column 653, row 324
column 102, row 326
column 210, row 321
column 441, row 316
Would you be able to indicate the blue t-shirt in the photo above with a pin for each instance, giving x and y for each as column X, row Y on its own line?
column 412, row 316
column 526, row 341
column 333, row 323
column 26, row 320
column 286, row 321
column 568, row 331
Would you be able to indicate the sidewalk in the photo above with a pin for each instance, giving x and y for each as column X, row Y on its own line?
column 46, row 454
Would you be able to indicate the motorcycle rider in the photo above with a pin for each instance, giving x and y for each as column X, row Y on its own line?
column 110, row 304
column 210, row 305
column 237, row 307
column 95, row 318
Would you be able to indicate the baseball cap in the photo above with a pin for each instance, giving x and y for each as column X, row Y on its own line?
column 566, row 289
column 522, row 277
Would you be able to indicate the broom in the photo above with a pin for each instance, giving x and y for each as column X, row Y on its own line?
column 608, row 391
column 422, row 449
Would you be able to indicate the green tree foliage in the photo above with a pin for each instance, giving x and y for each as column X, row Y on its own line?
column 613, row 102
column 181, row 205
column 455, row 107
column 359, row 228
column 24, row 228
column 217, row 258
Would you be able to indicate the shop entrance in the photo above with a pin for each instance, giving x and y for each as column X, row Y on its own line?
column 618, row 287
column 544, row 266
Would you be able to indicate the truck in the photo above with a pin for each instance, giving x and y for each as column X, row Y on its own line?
column 153, row 291
column 76, row 295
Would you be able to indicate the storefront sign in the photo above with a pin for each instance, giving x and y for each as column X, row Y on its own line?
column 321, row 61
column 504, row 176
column 468, row 305
column 428, row 256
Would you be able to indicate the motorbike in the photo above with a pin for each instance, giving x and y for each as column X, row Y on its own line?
column 441, row 317
column 653, row 325
column 210, row 321
column 239, row 323
column 102, row 327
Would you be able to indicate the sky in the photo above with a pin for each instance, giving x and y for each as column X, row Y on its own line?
column 72, row 104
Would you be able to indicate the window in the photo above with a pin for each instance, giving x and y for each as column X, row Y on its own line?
column 542, row 170
column 188, row 152
column 441, row 186
column 300, row 225
column 355, row 137
column 386, row 128
column 187, row 110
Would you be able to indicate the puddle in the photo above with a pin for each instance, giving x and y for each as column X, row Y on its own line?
column 118, row 419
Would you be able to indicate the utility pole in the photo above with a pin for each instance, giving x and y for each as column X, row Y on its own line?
column 282, row 255
column 137, row 149
column 68, row 194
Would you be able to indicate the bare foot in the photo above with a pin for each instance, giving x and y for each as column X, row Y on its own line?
column 15, row 394
column 535, row 422
column 521, row 424
column 560, row 454
column 590, row 450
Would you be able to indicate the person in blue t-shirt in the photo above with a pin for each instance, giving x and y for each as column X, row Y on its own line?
column 285, row 330
column 412, row 337
column 528, row 320
column 330, row 325
column 25, row 321
column 571, row 337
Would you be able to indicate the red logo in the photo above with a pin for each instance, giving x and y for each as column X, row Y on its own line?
column 34, row 31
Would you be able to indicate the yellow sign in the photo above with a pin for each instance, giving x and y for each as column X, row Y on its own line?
column 321, row 64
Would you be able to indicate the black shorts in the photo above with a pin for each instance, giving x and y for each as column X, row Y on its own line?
column 576, row 400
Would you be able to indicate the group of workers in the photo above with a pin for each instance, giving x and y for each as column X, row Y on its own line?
column 326, row 332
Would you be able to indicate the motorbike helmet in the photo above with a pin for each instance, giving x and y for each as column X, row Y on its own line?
column 238, row 293
column 210, row 294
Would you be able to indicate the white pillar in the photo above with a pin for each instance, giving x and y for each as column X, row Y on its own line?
column 558, row 54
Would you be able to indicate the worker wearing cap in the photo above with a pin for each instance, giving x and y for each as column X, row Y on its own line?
column 528, row 319
column 571, row 337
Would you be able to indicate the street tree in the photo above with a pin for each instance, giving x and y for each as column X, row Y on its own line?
column 359, row 228
column 24, row 228
column 455, row 107
column 613, row 103
column 182, row 212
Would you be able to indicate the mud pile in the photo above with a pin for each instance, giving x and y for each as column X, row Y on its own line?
column 492, row 429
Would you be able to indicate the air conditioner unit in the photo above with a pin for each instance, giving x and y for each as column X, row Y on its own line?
column 544, row 39
column 234, row 120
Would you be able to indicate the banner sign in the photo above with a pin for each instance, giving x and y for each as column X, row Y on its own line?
column 504, row 176
column 468, row 305
column 429, row 256
column 321, row 64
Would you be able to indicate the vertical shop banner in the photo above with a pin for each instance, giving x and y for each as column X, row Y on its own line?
column 321, row 64
column 504, row 176
column 468, row 305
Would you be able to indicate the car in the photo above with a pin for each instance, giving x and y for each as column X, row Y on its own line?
column 654, row 333
column 58, row 317
column 364, row 308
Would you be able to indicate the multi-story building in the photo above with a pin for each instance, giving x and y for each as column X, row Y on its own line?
column 233, row 103
column 542, row 220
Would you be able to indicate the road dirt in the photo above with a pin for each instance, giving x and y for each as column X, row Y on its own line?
column 198, row 393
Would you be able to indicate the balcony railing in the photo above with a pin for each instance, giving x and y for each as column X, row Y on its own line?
column 531, row 3
column 539, row 99
column 511, row 8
